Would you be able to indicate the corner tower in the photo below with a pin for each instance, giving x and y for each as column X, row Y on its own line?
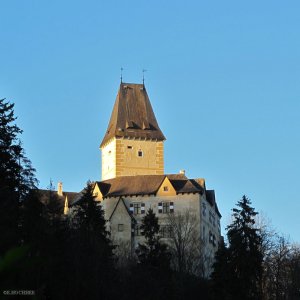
column 133, row 142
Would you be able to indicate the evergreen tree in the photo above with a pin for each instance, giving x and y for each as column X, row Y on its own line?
column 153, row 252
column 245, row 251
column 241, row 264
column 90, row 263
column 221, row 277
column 16, row 177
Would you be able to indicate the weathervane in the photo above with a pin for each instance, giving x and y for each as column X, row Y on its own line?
column 122, row 74
column 144, row 76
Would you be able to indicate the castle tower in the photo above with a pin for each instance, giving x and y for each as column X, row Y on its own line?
column 133, row 143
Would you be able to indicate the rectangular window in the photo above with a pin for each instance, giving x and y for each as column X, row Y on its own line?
column 137, row 230
column 120, row 227
column 203, row 209
column 214, row 219
column 166, row 188
column 165, row 207
column 140, row 153
column 204, row 234
column 129, row 147
column 210, row 217
column 137, row 208
column 165, row 231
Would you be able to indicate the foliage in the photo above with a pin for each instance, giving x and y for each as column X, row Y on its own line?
column 242, row 261
column 92, row 255
column 16, row 177
column 153, row 253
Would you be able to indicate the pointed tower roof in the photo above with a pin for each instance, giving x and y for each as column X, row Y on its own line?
column 132, row 115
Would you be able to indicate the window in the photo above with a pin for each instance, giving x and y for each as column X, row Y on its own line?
column 137, row 230
column 211, row 217
column 137, row 208
column 166, row 188
column 129, row 147
column 165, row 207
column 204, row 209
column 140, row 153
column 212, row 239
column 120, row 227
column 165, row 231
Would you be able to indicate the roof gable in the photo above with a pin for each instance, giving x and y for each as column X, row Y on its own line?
column 166, row 188
column 148, row 185
column 97, row 192
column 121, row 210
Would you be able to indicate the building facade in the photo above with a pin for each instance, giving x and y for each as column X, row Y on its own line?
column 133, row 178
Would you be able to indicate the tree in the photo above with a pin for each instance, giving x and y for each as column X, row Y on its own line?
column 153, row 253
column 91, row 257
column 241, row 263
column 16, row 176
column 187, row 249
column 245, row 254
column 220, row 275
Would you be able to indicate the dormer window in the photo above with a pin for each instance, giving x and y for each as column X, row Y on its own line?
column 140, row 153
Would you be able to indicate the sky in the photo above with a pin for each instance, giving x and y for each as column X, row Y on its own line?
column 222, row 77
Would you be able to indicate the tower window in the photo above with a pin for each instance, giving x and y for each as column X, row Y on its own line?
column 140, row 153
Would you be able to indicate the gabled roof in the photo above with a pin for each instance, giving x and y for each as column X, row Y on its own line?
column 116, row 206
column 131, row 185
column 146, row 185
column 132, row 115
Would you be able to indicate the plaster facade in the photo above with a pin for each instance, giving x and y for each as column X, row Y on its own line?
column 126, row 157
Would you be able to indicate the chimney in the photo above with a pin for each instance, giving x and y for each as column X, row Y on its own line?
column 182, row 172
column 60, row 189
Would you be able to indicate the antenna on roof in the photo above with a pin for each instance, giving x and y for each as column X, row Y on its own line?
column 144, row 76
column 122, row 74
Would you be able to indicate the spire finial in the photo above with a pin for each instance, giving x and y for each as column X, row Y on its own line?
column 122, row 74
column 144, row 76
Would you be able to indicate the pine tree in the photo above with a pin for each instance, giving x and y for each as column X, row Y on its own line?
column 245, row 257
column 92, row 252
column 238, row 268
column 153, row 253
column 16, row 177
column 221, row 277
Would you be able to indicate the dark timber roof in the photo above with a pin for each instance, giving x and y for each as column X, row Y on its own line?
column 132, row 115
column 146, row 185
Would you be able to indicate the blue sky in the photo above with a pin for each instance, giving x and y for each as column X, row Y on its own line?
column 222, row 76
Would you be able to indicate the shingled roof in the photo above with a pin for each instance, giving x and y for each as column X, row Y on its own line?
column 146, row 185
column 132, row 115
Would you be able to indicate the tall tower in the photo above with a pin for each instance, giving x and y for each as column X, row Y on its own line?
column 133, row 143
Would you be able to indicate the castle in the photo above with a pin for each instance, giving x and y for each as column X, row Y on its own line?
column 133, row 178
